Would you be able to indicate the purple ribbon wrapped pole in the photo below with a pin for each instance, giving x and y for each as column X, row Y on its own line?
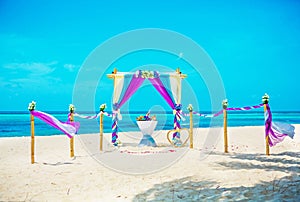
column 177, row 119
column 114, row 128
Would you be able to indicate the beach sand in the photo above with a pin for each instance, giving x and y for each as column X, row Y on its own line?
column 204, row 173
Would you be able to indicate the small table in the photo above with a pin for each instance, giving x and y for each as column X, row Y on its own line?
column 147, row 128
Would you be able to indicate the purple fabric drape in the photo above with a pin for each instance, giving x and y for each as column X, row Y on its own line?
column 159, row 86
column 275, row 134
column 134, row 84
column 69, row 128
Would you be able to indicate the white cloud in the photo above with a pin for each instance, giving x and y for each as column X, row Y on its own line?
column 70, row 67
column 28, row 75
column 34, row 68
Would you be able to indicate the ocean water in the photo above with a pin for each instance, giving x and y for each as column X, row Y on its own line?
column 17, row 124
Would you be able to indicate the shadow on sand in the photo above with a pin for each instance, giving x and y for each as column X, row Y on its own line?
column 284, row 162
column 189, row 189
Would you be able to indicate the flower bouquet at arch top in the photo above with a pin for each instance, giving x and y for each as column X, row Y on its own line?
column 147, row 125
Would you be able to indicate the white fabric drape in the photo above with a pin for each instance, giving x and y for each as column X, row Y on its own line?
column 175, row 83
column 284, row 128
column 118, row 87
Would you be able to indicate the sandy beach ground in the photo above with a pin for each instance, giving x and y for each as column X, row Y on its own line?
column 204, row 173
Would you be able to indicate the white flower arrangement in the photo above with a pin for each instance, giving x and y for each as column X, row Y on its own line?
column 190, row 107
column 71, row 108
column 102, row 107
column 147, row 74
column 265, row 98
column 225, row 104
column 31, row 106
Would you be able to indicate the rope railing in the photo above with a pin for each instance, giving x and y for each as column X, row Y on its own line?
column 94, row 116
column 273, row 132
column 221, row 111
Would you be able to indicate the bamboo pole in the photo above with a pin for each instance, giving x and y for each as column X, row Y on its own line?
column 101, row 132
column 267, row 136
column 225, row 131
column 191, row 130
column 72, row 139
column 115, row 81
column 32, row 138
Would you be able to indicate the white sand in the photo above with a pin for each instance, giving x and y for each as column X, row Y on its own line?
column 245, row 173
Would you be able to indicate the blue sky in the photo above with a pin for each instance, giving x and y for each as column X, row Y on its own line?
column 254, row 44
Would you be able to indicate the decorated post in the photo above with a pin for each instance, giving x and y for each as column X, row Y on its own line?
column 265, row 100
column 176, row 94
column 190, row 108
column 225, row 105
column 118, row 84
column 102, row 108
column 72, row 110
column 31, row 107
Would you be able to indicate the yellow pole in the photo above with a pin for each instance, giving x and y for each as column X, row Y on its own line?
column 191, row 130
column 72, row 139
column 101, row 132
column 32, row 138
column 115, row 81
column 267, row 137
column 225, row 131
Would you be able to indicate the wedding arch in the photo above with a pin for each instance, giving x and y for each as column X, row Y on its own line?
column 168, row 84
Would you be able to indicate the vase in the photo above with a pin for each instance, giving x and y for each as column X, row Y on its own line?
column 147, row 128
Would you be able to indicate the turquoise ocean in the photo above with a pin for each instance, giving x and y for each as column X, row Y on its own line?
column 17, row 124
